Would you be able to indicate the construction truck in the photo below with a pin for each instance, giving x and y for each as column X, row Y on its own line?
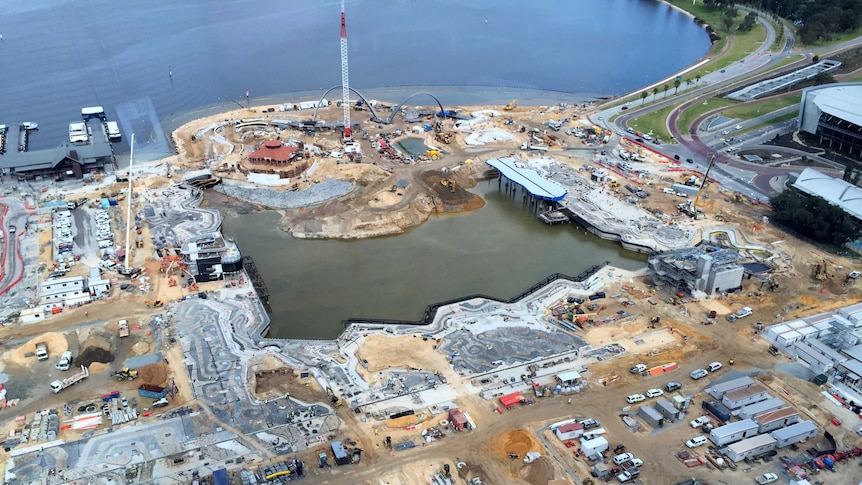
column 525, row 146
column 41, row 351
column 512, row 105
column 126, row 374
column 448, row 183
column 444, row 137
column 58, row 385
column 689, row 209
column 123, row 328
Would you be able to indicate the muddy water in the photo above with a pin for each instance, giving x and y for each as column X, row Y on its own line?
column 498, row 250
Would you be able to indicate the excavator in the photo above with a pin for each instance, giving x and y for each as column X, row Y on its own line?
column 444, row 137
column 126, row 374
column 154, row 303
column 512, row 105
column 448, row 183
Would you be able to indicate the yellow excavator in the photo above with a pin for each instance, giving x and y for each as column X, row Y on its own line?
column 448, row 183
column 154, row 303
column 512, row 105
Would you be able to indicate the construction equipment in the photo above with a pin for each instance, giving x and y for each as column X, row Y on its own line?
column 432, row 154
column 126, row 374
column 448, row 183
column 154, row 303
column 393, row 189
column 820, row 271
column 123, row 326
column 172, row 282
column 512, row 105
column 688, row 208
column 703, row 184
column 655, row 321
column 444, row 137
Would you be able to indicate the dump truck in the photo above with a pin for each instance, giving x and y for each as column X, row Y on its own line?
column 41, row 351
column 124, row 328
column 58, row 386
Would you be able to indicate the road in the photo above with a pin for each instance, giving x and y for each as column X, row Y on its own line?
column 11, row 261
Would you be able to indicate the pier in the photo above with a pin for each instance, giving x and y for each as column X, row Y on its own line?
column 256, row 280
column 554, row 216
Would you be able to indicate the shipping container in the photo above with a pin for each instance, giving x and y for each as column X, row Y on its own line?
column 717, row 409
column 750, row 447
column 794, row 433
column 668, row 410
column 457, row 419
column 733, row 432
column 776, row 419
column 512, row 399
column 569, row 431
column 651, row 416
column 154, row 392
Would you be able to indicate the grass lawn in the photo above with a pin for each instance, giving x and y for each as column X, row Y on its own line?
column 687, row 117
column 854, row 78
column 753, row 110
column 655, row 122
column 742, row 45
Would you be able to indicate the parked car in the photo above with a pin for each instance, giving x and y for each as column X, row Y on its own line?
column 714, row 366
column 638, row 369
column 590, row 423
column 635, row 398
column 698, row 422
column 696, row 441
column 654, row 393
column 672, row 386
column 698, row 374
column 622, row 458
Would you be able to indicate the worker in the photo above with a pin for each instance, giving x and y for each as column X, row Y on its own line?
column 731, row 362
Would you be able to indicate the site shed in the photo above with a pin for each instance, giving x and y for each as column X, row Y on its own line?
column 776, row 419
column 717, row 409
column 595, row 446
column 742, row 397
column 569, row 431
column 600, row 470
column 457, row 419
column 220, row 477
column 752, row 410
column 732, row 432
column 651, row 416
column 719, row 390
column 571, row 378
column 340, row 452
column 512, row 399
column 668, row 410
column 750, row 447
column 794, row 433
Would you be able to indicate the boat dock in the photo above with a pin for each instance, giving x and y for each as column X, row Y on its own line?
column 256, row 279
column 22, row 139
column 3, row 131
column 554, row 216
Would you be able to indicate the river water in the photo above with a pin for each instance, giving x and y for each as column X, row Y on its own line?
column 498, row 250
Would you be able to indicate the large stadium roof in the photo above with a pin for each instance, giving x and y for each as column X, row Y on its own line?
column 529, row 179
column 844, row 102
column 838, row 192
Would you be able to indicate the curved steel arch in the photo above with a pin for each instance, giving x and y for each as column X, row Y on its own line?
column 373, row 112
column 395, row 112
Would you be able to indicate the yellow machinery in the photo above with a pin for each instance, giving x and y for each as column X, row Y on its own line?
column 432, row 154
column 448, row 183
column 820, row 271
column 444, row 137
column 126, row 374
column 512, row 104
column 154, row 303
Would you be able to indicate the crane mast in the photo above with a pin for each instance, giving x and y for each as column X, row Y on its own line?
column 345, row 83
column 703, row 183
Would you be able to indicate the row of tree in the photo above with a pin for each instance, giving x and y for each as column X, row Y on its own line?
column 814, row 217
column 818, row 20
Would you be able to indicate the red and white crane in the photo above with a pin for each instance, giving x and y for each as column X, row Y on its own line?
column 345, row 83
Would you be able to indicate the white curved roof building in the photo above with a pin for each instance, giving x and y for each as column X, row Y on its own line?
column 833, row 112
column 836, row 191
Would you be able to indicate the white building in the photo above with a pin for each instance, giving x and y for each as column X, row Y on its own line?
column 833, row 112
column 64, row 291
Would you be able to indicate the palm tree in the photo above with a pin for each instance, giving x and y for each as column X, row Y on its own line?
column 696, row 79
column 666, row 87
column 654, row 93
column 676, row 83
column 644, row 97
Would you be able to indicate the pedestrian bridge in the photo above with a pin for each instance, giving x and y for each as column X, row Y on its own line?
column 528, row 179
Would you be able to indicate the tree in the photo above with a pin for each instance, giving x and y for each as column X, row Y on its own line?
column 676, row 83
column 814, row 217
column 644, row 97
column 666, row 87
column 654, row 93
column 728, row 23
column 815, row 59
column 848, row 172
column 696, row 79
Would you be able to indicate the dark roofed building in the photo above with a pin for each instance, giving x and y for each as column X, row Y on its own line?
column 273, row 152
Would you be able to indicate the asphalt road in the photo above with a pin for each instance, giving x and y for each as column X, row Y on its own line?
column 14, row 215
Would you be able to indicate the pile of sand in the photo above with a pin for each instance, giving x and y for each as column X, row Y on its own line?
column 97, row 367
column 519, row 441
column 140, row 348
column 154, row 374
column 56, row 343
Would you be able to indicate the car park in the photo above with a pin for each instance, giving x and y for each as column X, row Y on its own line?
column 635, row 398
column 698, row 422
column 696, row 441
column 654, row 393
column 672, row 386
column 714, row 366
column 622, row 458
column 698, row 374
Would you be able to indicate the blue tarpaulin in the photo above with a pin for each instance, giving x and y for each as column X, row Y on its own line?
column 105, row 203
column 220, row 477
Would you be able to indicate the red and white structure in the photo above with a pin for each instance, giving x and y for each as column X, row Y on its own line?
column 345, row 82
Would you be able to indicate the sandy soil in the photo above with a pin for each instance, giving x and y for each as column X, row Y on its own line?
column 271, row 379
column 382, row 352
column 56, row 342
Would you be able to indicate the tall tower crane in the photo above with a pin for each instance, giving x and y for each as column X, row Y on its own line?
column 345, row 83
column 705, row 180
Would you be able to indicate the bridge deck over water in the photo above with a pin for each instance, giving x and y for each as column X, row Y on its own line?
column 529, row 179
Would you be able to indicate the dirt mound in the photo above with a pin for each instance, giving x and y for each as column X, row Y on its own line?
column 56, row 343
column 519, row 441
column 97, row 367
column 140, row 348
column 154, row 374
column 94, row 354
column 97, row 341
column 808, row 300
column 454, row 198
column 539, row 472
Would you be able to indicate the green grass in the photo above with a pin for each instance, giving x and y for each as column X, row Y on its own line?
column 743, row 44
column 687, row 117
column 854, row 78
column 753, row 110
column 836, row 39
column 775, row 121
column 654, row 121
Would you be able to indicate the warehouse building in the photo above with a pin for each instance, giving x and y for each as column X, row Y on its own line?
column 750, row 447
column 833, row 113
column 697, row 270
column 794, row 433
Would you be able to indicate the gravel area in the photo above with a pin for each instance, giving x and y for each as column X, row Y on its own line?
column 328, row 189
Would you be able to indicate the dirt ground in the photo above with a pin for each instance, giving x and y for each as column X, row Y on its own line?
column 271, row 379
column 383, row 351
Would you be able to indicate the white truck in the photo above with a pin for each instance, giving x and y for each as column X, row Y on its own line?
column 766, row 478
column 123, row 328
column 58, row 386
column 41, row 351
column 65, row 361
column 525, row 146
column 741, row 313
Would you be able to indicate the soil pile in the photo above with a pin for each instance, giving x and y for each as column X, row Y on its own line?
column 97, row 367
column 455, row 197
column 275, row 382
column 154, row 374
column 140, row 348
column 56, row 343
column 519, row 441
column 94, row 354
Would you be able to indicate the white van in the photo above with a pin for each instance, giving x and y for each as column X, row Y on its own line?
column 65, row 361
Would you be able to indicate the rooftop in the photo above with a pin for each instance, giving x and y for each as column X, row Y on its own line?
column 836, row 191
column 529, row 179
column 843, row 101
column 273, row 150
